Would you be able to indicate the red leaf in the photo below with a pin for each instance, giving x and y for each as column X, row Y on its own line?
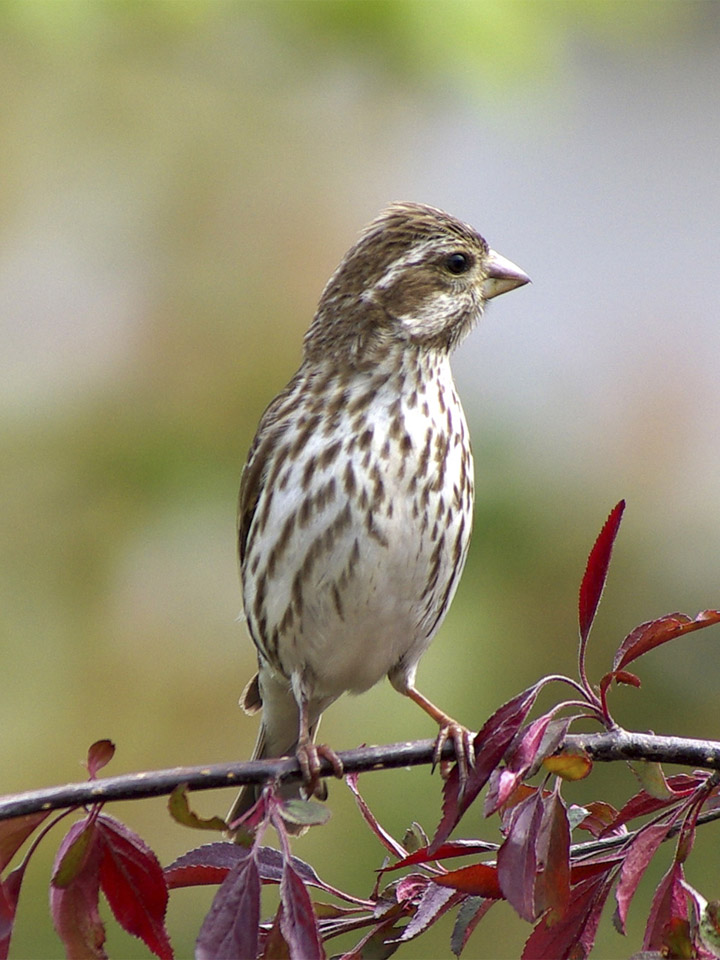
column 574, row 934
column 231, row 928
column 134, row 884
column 74, row 906
column 552, row 883
column 593, row 581
column 478, row 879
column 490, row 745
column 14, row 833
column 639, row 854
column 298, row 921
column 656, row 632
column 668, row 904
column 99, row 755
column 517, row 860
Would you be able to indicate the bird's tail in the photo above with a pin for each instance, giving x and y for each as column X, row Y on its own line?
column 277, row 737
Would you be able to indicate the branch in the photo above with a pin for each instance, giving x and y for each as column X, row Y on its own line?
column 604, row 747
column 621, row 744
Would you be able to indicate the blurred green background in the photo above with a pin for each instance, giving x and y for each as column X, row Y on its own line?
column 177, row 182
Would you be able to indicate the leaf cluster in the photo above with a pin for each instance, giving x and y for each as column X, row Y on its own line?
column 555, row 882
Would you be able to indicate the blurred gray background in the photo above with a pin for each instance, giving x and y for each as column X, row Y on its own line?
column 177, row 182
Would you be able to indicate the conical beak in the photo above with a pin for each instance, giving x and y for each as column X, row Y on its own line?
column 502, row 276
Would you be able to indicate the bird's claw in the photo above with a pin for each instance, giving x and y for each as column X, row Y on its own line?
column 463, row 743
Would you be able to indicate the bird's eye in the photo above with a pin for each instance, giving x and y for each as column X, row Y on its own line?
column 458, row 263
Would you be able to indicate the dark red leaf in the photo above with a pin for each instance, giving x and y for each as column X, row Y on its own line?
column 14, row 833
column 74, row 906
column 639, row 854
column 574, row 934
column 207, row 864
column 471, row 912
column 682, row 785
column 552, row 884
column 411, row 888
column 619, row 676
column 668, row 903
column 595, row 576
column 99, row 755
column 435, row 901
column 601, row 818
column 275, row 946
column 212, row 862
column 74, row 850
column 490, row 745
column 656, row 632
column 7, row 916
column 298, row 921
column 522, row 757
column 381, row 942
column 456, row 848
column 383, row 836
column 9, row 896
column 134, row 885
column 271, row 864
column 678, row 941
column 230, row 930
column 194, row 876
column 589, row 869
column 479, row 880
column 517, row 858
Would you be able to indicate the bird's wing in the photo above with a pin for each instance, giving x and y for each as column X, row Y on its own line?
column 273, row 425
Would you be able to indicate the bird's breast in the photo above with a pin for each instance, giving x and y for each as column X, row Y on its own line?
column 365, row 533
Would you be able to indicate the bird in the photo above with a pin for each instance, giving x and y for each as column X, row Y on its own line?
column 356, row 499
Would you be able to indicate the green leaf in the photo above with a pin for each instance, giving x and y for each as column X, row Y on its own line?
column 305, row 813
column 652, row 779
column 415, row 838
column 180, row 810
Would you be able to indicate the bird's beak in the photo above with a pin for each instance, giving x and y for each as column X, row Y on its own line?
column 502, row 276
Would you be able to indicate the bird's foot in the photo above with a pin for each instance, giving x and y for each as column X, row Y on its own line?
column 462, row 741
column 310, row 755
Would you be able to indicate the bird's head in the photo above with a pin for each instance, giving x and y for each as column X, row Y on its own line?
column 415, row 276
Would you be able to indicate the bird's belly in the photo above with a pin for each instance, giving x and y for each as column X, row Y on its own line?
column 354, row 636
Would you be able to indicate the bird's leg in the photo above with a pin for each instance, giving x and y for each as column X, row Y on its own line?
column 309, row 753
column 461, row 737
